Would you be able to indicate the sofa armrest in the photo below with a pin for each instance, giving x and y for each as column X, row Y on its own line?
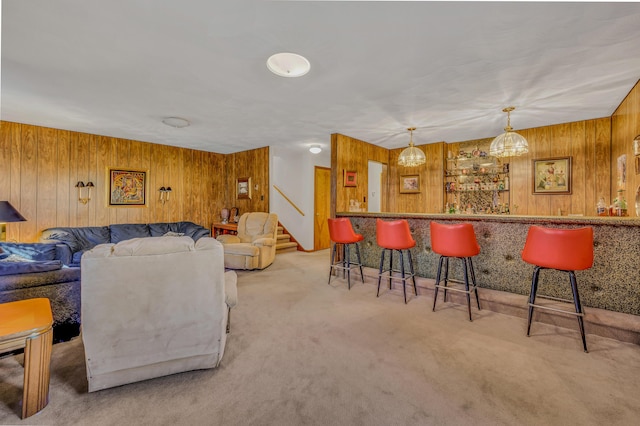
column 228, row 239
column 264, row 242
column 203, row 232
column 63, row 254
column 231, row 288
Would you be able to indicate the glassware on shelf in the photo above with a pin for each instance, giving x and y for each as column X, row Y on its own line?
column 620, row 204
column 601, row 208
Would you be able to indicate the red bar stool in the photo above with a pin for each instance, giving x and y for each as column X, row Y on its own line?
column 341, row 232
column 459, row 241
column 395, row 235
column 567, row 250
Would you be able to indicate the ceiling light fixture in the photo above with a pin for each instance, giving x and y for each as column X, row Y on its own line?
column 509, row 143
column 176, row 122
column 288, row 65
column 315, row 149
column 412, row 156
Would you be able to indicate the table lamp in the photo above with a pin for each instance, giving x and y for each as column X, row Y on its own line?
column 8, row 214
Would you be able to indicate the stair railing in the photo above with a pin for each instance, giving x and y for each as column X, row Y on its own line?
column 287, row 198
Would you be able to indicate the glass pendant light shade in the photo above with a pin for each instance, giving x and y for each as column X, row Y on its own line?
column 411, row 156
column 508, row 144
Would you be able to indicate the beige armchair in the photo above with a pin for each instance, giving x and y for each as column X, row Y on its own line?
column 255, row 245
column 152, row 307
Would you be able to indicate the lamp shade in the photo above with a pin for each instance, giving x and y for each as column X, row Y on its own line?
column 8, row 213
column 508, row 144
column 411, row 156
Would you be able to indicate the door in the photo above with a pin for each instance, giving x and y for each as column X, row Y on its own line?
column 322, row 208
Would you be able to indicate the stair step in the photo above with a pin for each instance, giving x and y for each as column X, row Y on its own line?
column 291, row 246
column 284, row 238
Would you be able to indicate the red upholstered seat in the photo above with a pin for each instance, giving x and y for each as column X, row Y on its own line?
column 341, row 231
column 457, row 240
column 563, row 249
column 394, row 235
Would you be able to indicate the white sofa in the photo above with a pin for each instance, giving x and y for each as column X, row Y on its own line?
column 153, row 307
column 254, row 247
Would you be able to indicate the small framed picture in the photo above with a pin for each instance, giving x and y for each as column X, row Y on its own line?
column 243, row 188
column 552, row 176
column 127, row 188
column 350, row 178
column 409, row 184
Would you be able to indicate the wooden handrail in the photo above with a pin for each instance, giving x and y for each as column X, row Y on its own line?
column 287, row 198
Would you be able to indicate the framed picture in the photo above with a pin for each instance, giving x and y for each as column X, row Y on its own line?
column 127, row 188
column 243, row 188
column 350, row 178
column 552, row 176
column 409, row 184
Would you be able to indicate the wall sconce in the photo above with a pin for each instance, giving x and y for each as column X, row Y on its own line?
column 80, row 185
column 164, row 194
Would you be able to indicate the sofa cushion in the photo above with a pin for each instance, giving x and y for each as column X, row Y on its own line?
column 159, row 229
column 153, row 246
column 32, row 251
column 14, row 268
column 3, row 255
column 127, row 231
column 78, row 239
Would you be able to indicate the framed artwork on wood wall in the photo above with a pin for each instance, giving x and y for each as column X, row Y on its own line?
column 127, row 188
column 409, row 184
column 350, row 178
column 243, row 188
column 552, row 176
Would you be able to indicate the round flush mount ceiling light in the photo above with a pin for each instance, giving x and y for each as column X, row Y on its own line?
column 288, row 65
column 315, row 149
column 176, row 122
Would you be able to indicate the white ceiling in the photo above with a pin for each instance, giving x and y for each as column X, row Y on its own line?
column 117, row 67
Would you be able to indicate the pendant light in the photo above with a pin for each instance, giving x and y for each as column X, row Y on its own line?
column 411, row 156
column 508, row 144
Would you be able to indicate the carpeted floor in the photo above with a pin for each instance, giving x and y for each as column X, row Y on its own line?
column 302, row 352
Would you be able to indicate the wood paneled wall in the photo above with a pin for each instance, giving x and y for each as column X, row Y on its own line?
column 625, row 127
column 587, row 142
column 40, row 167
column 431, row 195
column 353, row 155
column 253, row 164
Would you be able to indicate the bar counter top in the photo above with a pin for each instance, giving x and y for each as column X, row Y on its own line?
column 577, row 220
column 613, row 283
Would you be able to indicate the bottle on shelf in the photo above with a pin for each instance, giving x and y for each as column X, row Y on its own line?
column 601, row 208
column 620, row 204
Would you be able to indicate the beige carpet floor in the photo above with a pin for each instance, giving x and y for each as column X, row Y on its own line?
column 302, row 352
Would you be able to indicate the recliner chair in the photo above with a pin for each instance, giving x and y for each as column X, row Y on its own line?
column 254, row 247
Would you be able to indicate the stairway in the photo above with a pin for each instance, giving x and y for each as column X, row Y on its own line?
column 284, row 243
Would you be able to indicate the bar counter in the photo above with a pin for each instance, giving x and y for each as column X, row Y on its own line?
column 613, row 283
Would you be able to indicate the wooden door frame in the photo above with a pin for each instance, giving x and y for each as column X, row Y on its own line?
column 315, row 207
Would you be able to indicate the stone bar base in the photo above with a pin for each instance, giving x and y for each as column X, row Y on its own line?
column 599, row 322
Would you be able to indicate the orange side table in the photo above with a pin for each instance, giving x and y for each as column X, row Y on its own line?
column 28, row 324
